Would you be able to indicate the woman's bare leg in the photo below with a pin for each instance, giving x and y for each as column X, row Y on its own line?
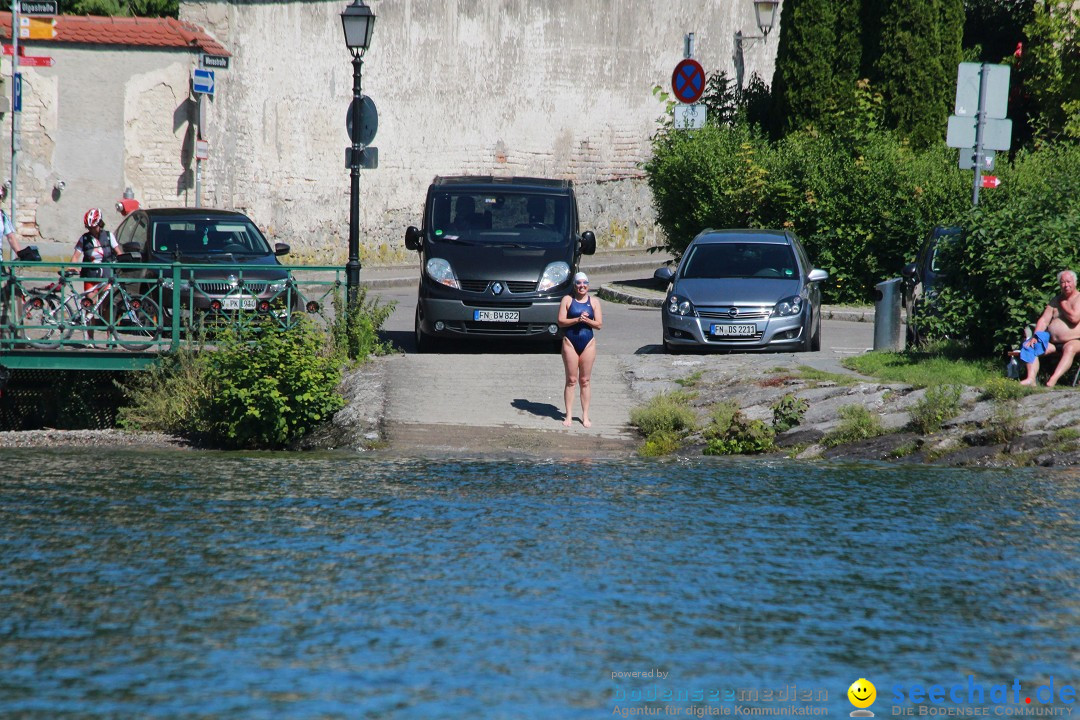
column 570, row 364
column 585, row 364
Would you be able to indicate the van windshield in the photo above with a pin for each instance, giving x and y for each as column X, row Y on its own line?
column 500, row 218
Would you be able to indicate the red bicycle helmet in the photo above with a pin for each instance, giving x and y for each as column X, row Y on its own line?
column 92, row 218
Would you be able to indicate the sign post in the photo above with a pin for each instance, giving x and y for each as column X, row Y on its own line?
column 979, row 126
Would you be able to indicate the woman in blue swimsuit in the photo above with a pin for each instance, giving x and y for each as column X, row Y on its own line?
column 579, row 315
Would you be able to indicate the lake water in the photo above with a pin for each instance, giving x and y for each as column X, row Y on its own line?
column 179, row 584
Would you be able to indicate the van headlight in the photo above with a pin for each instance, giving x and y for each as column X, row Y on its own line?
column 553, row 276
column 440, row 271
column 679, row 305
column 788, row 306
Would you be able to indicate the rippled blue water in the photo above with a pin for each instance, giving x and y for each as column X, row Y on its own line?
column 143, row 584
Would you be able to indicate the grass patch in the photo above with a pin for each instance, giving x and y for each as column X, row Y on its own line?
column 923, row 369
column 690, row 380
column 664, row 421
column 1066, row 435
column 903, row 451
column 1005, row 424
column 857, row 423
column 815, row 375
column 1003, row 388
column 940, row 403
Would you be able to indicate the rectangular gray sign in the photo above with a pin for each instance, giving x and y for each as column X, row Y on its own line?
column 39, row 7
column 997, row 133
column 967, row 159
column 997, row 89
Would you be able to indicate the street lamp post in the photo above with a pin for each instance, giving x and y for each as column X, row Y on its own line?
column 358, row 21
column 765, row 10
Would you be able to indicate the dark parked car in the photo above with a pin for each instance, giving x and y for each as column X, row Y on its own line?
column 924, row 278
column 250, row 277
column 741, row 290
column 497, row 255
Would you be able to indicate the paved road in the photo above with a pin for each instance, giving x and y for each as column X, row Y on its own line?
column 510, row 396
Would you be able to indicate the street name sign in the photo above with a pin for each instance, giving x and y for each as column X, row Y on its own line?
column 31, row 28
column 997, row 89
column 689, row 117
column 39, row 7
column 688, row 81
column 213, row 62
column 202, row 81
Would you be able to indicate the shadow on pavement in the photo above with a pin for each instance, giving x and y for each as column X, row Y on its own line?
column 539, row 409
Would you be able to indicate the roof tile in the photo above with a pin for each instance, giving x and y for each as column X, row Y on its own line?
column 137, row 32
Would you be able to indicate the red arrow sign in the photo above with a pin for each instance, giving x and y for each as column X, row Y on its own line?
column 990, row 181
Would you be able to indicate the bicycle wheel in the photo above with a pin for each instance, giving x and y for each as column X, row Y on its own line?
column 43, row 323
column 138, row 324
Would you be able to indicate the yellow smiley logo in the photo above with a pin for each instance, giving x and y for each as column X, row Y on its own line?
column 862, row 693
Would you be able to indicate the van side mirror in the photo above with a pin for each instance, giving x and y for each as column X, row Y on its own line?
column 413, row 239
column 911, row 273
column 281, row 248
column 588, row 242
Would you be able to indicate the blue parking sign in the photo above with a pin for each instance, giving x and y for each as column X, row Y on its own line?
column 16, row 93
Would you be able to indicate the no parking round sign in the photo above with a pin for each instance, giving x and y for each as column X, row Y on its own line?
column 688, row 81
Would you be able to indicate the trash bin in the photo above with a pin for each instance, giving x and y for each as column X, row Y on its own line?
column 888, row 333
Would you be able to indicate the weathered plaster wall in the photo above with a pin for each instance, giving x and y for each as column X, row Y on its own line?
column 536, row 87
column 100, row 120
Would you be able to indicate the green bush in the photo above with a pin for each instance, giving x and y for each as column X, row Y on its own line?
column 861, row 200
column 1005, row 423
column 273, row 387
column 356, row 333
column 1004, row 272
column 171, row 396
column 940, row 403
column 731, row 433
column 667, row 412
column 857, row 423
column 788, row 412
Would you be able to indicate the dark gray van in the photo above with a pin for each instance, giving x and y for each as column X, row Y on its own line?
column 497, row 255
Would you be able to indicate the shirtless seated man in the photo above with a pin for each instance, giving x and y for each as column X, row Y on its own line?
column 1057, row 330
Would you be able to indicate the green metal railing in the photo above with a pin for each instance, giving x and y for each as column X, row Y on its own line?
column 50, row 320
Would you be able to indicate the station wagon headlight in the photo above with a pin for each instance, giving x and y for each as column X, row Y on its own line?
column 788, row 306
column 440, row 271
column 553, row 276
column 679, row 306
column 279, row 286
column 184, row 285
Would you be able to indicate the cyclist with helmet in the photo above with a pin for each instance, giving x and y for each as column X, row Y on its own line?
column 96, row 245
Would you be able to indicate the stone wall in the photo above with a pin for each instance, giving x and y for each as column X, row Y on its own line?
column 521, row 87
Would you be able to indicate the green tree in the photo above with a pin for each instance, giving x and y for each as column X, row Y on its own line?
column 918, row 49
column 817, row 62
column 1048, row 71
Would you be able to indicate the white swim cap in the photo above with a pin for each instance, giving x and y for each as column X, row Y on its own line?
column 581, row 277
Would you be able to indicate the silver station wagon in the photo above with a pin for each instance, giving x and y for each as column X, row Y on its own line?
column 744, row 290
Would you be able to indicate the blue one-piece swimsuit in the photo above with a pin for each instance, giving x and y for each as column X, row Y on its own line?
column 579, row 335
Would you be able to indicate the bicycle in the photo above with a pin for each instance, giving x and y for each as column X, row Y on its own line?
column 132, row 321
column 36, row 309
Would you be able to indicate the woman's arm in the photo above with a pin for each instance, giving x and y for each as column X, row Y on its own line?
column 597, row 320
